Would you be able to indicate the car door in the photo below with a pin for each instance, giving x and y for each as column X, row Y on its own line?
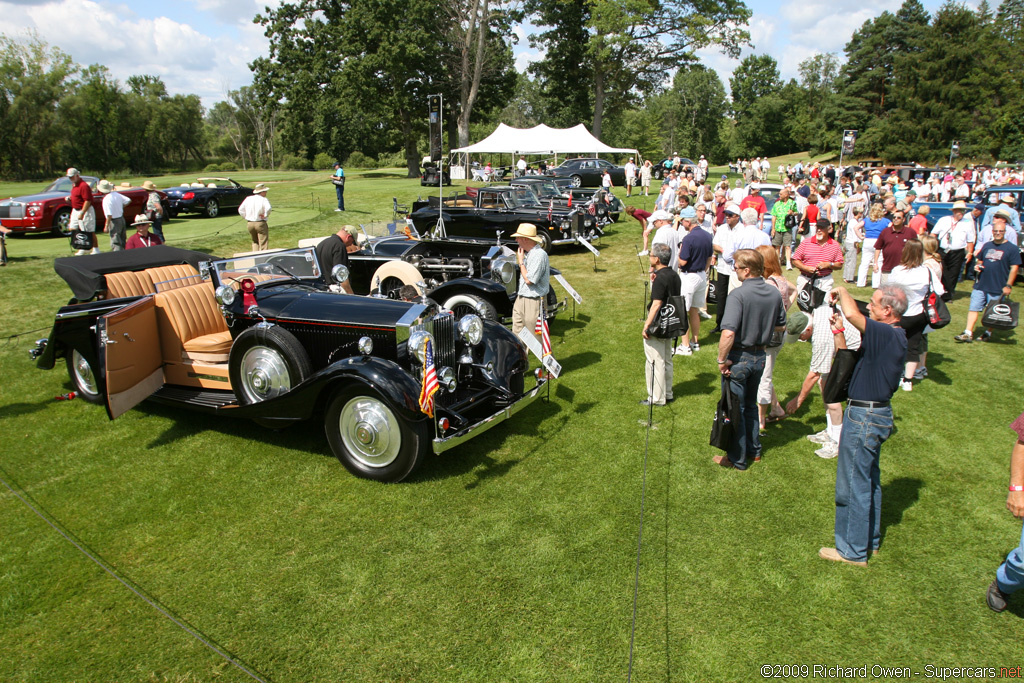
column 130, row 351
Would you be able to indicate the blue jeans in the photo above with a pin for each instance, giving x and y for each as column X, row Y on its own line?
column 1010, row 574
column 340, row 190
column 745, row 376
column 858, row 486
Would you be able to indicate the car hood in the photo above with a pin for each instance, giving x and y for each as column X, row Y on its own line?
column 287, row 303
column 41, row 197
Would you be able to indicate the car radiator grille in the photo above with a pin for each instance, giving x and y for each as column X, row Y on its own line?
column 442, row 327
column 12, row 210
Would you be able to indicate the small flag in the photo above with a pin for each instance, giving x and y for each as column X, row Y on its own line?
column 592, row 209
column 551, row 209
column 430, row 384
column 542, row 331
column 570, row 200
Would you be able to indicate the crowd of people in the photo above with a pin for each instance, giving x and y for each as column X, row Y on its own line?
column 822, row 222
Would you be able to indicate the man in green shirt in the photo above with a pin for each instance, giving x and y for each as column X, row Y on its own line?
column 782, row 237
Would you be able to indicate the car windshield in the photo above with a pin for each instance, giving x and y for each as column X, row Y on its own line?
column 276, row 265
column 522, row 196
column 64, row 184
column 545, row 188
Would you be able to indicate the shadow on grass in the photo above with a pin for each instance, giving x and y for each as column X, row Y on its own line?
column 581, row 360
column 936, row 363
column 121, row 576
column 16, row 409
column 704, row 383
column 568, row 395
column 897, row 497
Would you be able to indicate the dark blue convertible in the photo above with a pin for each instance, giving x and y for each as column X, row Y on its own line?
column 208, row 196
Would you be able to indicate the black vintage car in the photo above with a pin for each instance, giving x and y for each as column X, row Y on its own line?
column 208, row 196
column 464, row 276
column 488, row 212
column 587, row 172
column 560, row 190
column 262, row 337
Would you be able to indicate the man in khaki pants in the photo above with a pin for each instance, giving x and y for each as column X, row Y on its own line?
column 256, row 209
column 534, row 273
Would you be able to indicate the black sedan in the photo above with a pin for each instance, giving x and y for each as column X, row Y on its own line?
column 587, row 172
column 262, row 337
column 208, row 196
column 660, row 169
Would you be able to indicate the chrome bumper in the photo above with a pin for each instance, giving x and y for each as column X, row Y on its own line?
column 442, row 444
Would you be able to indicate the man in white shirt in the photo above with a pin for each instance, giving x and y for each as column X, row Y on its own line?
column 737, row 194
column 521, row 167
column 956, row 235
column 666, row 232
column 630, row 169
column 255, row 210
column 113, row 211
column 722, row 242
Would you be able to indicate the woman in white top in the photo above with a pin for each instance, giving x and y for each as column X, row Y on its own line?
column 666, row 201
column 851, row 243
column 645, row 177
column 933, row 261
column 917, row 279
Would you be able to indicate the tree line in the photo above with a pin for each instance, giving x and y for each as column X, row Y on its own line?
column 350, row 78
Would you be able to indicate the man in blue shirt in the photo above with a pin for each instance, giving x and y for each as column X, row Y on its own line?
column 695, row 254
column 1005, row 205
column 338, row 178
column 996, row 266
column 868, row 419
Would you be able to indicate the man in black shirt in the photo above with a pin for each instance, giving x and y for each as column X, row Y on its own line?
column 754, row 310
column 333, row 251
column 657, row 350
column 868, row 419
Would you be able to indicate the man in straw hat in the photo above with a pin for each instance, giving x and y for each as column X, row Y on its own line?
column 957, row 237
column 256, row 209
column 142, row 237
column 534, row 273
column 113, row 212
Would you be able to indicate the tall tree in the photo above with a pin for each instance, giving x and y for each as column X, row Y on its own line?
column 754, row 78
column 697, row 104
column 631, row 44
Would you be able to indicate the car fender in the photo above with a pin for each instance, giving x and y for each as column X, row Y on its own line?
column 488, row 290
column 386, row 377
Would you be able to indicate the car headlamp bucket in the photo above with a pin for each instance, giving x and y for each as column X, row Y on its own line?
column 339, row 273
column 471, row 328
column 225, row 295
column 365, row 345
column 418, row 344
column 446, row 377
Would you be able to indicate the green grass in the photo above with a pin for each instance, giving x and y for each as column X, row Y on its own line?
column 512, row 557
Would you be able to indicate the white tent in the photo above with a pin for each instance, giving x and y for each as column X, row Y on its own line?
column 541, row 140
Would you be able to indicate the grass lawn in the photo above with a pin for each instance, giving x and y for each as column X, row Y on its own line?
column 510, row 558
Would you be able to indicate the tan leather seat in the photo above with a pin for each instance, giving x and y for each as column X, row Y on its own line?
column 172, row 277
column 128, row 283
column 191, row 325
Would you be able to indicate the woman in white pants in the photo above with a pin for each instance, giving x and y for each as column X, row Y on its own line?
column 874, row 224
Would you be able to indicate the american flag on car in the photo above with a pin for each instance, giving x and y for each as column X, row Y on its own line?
column 430, row 384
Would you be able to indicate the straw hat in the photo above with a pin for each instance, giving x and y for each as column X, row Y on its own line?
column 527, row 230
column 148, row 185
column 104, row 187
column 260, row 188
column 141, row 218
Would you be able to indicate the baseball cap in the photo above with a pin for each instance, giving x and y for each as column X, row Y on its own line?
column 796, row 324
column 732, row 208
column 72, row 172
column 660, row 215
column 688, row 212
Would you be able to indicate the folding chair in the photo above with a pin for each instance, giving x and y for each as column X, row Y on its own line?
column 398, row 210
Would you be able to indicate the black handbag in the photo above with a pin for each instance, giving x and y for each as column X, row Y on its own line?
column 838, row 383
column 1001, row 314
column 81, row 240
column 810, row 297
column 713, row 285
column 935, row 307
column 727, row 419
column 671, row 320
column 790, row 221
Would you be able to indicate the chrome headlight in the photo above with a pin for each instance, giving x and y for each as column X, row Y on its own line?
column 471, row 327
column 365, row 346
column 503, row 269
column 225, row 295
column 339, row 273
column 447, row 379
column 566, row 225
column 418, row 344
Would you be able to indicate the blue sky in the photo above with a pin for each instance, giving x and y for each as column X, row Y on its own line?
column 203, row 46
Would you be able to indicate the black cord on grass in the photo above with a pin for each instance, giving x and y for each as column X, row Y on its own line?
column 195, row 634
column 22, row 334
column 640, row 534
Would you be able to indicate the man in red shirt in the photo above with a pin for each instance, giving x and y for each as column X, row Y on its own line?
column 755, row 201
column 83, row 215
column 889, row 245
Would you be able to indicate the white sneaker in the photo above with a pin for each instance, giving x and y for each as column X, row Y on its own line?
column 704, row 315
column 789, row 266
column 81, row 252
column 337, row 210
column 828, row 451
column 821, row 437
column 921, row 373
column 684, row 350
column 643, row 253
column 906, row 385
column 95, row 250
column 694, row 346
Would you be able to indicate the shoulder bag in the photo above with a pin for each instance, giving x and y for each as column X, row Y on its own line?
column 727, row 418
column 671, row 320
column 934, row 306
column 838, row 383
column 810, row 297
column 1001, row 314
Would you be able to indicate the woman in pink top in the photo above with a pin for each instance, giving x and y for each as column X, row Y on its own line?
column 919, row 223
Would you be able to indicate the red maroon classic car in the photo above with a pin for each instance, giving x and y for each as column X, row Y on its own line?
column 50, row 209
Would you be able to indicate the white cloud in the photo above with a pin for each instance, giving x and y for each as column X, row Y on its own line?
column 526, row 57
column 188, row 60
